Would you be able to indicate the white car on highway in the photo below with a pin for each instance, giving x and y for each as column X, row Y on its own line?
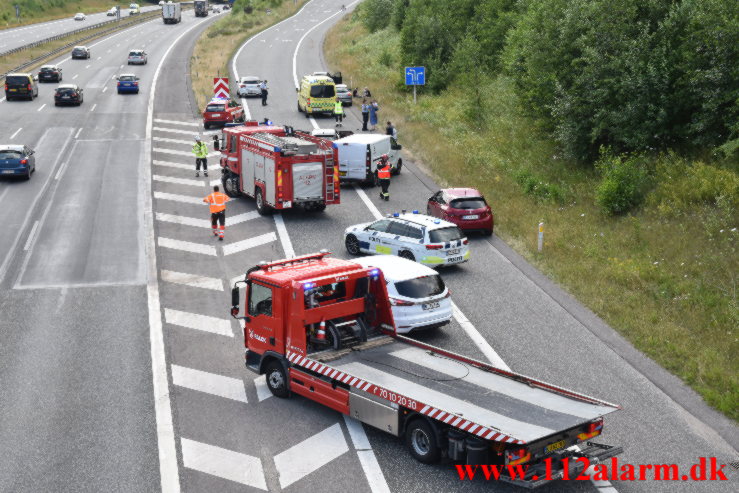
column 423, row 239
column 249, row 86
column 112, row 12
column 418, row 295
column 79, row 16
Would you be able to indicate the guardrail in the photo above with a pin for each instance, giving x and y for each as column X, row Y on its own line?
column 119, row 24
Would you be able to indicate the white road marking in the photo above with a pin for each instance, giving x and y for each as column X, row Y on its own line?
column 178, row 198
column 170, row 164
column 42, row 107
column 100, row 58
column 175, row 122
column 179, row 181
column 87, row 66
column 226, row 464
column 75, row 76
column 192, row 280
column 186, row 246
column 210, row 383
column 173, row 151
column 93, row 107
column 61, row 170
column 366, row 455
column 177, row 141
column 183, row 131
column 105, row 88
column 16, row 133
column 287, row 245
column 196, row 321
column 184, row 220
column 242, row 245
column 310, row 455
column 215, row 182
column 31, row 236
column 260, row 383
column 77, row 134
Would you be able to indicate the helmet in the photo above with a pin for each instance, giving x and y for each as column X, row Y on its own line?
column 197, row 138
column 384, row 157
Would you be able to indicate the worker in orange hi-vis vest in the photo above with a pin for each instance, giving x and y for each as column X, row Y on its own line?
column 217, row 202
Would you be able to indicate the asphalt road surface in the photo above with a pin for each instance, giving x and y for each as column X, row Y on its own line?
column 76, row 396
column 19, row 36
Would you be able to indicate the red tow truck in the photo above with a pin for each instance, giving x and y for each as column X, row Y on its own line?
column 279, row 167
column 323, row 328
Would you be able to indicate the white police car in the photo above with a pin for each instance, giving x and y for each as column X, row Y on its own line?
column 424, row 239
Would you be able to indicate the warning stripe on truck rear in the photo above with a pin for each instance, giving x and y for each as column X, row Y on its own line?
column 450, row 419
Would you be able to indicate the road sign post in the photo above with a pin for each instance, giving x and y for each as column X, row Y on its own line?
column 18, row 12
column 415, row 76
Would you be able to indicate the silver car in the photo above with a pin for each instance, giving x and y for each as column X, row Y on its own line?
column 249, row 86
column 344, row 94
column 137, row 56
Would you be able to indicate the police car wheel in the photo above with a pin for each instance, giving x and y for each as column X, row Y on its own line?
column 408, row 255
column 352, row 245
column 421, row 441
column 276, row 379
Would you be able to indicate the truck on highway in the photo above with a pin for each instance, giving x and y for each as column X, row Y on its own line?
column 171, row 13
column 323, row 328
column 279, row 167
column 201, row 8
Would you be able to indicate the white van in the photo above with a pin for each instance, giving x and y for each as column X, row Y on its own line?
column 360, row 153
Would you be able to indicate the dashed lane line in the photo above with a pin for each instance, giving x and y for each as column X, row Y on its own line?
column 192, row 280
column 196, row 321
column 226, row 464
column 209, row 383
column 186, row 246
column 242, row 245
column 42, row 107
column 16, row 133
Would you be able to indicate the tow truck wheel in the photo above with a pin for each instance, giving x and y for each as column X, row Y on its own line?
column 276, row 379
column 352, row 245
column 421, row 441
column 262, row 207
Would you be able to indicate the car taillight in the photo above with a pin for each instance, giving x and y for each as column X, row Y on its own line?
column 24, row 161
column 397, row 302
column 135, row 83
column 434, row 247
column 28, row 87
column 6, row 87
column 517, row 456
column 592, row 429
column 465, row 241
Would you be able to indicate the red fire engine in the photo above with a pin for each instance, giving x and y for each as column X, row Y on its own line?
column 323, row 328
column 279, row 167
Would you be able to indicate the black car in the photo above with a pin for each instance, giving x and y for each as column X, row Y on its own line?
column 21, row 86
column 50, row 73
column 68, row 94
column 80, row 52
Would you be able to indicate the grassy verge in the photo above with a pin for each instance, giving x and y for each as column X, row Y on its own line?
column 665, row 277
column 33, row 11
column 218, row 44
column 10, row 62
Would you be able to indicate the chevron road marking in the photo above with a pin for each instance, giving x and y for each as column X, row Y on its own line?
column 187, row 199
column 179, row 181
column 226, row 464
column 189, row 167
column 242, row 245
column 192, row 280
column 173, row 151
column 175, row 122
column 204, row 223
column 182, row 131
column 310, row 455
column 196, row 321
column 186, row 246
column 210, row 383
column 263, row 391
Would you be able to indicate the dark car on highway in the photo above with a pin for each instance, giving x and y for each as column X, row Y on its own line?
column 68, row 94
column 21, row 86
column 17, row 160
column 465, row 207
column 50, row 73
column 80, row 52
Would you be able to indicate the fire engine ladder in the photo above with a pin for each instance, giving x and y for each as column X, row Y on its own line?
column 329, row 179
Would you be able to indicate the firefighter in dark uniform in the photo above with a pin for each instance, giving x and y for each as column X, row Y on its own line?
column 383, row 176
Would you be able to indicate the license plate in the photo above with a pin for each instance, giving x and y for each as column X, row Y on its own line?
column 215, row 115
column 555, row 446
column 453, row 252
column 8, row 171
column 452, row 260
column 430, row 306
column 471, row 216
column 65, row 97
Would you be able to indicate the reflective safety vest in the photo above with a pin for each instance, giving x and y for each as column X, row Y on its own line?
column 338, row 108
column 200, row 149
column 217, row 202
column 383, row 173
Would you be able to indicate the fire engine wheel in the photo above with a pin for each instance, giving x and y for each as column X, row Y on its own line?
column 231, row 185
column 262, row 207
column 352, row 245
column 408, row 255
column 276, row 379
column 421, row 441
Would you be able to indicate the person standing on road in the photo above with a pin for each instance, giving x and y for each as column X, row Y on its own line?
column 373, row 109
column 383, row 176
column 338, row 112
column 217, row 202
column 391, row 131
column 201, row 156
column 365, row 115
column 265, row 92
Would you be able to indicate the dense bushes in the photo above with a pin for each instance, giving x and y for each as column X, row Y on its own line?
column 624, row 183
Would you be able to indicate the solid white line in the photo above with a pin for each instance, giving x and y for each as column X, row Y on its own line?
column 16, row 133
column 192, row 280
column 186, row 246
column 196, row 321
column 287, row 245
column 93, row 107
column 31, row 236
column 309, row 455
column 226, row 464
column 179, row 181
column 242, row 245
column 178, row 198
column 173, row 165
column 210, row 383
column 260, row 383
column 77, row 134
column 42, row 107
column 175, row 122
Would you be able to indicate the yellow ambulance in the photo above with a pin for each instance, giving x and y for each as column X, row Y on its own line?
column 316, row 95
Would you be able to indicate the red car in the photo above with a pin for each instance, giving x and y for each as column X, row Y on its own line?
column 465, row 207
column 222, row 111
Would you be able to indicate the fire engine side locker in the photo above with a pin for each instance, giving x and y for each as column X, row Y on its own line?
column 269, row 181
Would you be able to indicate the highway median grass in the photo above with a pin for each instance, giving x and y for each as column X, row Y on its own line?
column 33, row 11
column 664, row 276
column 218, row 44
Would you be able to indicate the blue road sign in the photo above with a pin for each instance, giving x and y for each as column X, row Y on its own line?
column 415, row 76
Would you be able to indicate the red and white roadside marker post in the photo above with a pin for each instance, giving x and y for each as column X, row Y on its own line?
column 220, row 87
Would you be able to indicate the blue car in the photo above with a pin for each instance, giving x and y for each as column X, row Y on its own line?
column 17, row 160
column 128, row 83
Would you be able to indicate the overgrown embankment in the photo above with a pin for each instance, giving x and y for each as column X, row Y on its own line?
column 640, row 220
column 218, row 44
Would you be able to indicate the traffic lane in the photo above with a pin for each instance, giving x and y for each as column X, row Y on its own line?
column 76, row 394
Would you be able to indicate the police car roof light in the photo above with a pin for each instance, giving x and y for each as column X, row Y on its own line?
column 415, row 211
column 308, row 285
column 436, row 221
column 396, row 215
column 375, row 272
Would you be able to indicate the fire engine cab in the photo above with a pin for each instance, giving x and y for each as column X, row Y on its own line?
column 279, row 167
column 323, row 328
